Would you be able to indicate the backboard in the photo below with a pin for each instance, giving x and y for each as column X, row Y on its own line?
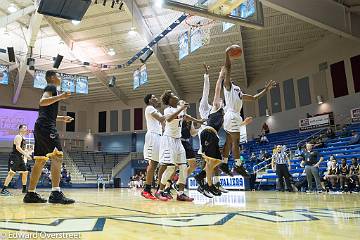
column 247, row 13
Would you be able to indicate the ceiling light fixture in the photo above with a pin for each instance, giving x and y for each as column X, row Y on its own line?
column 113, row 4
column 104, row 2
column 111, row 52
column 12, row 8
column 75, row 22
column 121, row 5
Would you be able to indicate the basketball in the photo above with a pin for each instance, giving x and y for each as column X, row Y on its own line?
column 235, row 51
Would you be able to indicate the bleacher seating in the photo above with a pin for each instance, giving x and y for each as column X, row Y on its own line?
column 92, row 164
column 338, row 147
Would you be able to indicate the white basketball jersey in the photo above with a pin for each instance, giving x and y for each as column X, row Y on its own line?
column 233, row 99
column 173, row 128
column 152, row 124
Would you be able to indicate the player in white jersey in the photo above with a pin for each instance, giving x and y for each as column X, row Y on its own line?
column 154, row 119
column 172, row 152
column 234, row 98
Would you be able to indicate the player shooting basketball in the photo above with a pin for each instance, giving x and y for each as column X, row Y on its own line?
column 234, row 98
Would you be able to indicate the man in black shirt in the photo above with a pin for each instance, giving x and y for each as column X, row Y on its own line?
column 311, row 161
column 47, row 142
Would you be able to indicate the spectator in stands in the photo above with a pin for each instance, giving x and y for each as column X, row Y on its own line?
column 263, row 139
column 355, row 138
column 281, row 165
column 265, row 128
column 311, row 161
column 331, row 176
column 330, row 133
column 299, row 151
column 68, row 178
column 319, row 143
column 329, row 162
column 253, row 158
column 355, row 173
column 345, row 133
column 343, row 175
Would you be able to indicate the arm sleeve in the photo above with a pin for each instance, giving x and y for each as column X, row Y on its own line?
column 204, row 103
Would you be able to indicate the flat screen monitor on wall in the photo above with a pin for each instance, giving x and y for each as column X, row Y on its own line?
column 4, row 74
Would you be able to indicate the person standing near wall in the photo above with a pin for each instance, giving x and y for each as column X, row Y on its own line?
column 281, row 165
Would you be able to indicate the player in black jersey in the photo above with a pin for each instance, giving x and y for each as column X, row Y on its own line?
column 332, row 173
column 16, row 161
column 355, row 173
column 47, row 142
column 343, row 175
column 209, row 140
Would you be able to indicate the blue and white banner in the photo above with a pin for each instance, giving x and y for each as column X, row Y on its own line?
column 232, row 183
column 183, row 42
column 314, row 122
column 355, row 115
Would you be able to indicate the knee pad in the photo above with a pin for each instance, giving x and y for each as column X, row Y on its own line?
column 167, row 174
column 182, row 173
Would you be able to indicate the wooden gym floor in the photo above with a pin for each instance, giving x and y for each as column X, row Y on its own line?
column 124, row 214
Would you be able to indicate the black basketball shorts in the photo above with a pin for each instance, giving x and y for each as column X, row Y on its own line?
column 16, row 163
column 46, row 140
column 210, row 144
column 188, row 150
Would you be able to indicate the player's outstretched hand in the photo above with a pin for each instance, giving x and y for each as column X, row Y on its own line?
column 68, row 119
column 65, row 95
column 247, row 121
column 207, row 67
column 271, row 84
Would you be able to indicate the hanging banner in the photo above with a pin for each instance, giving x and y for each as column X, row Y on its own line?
column 196, row 39
column 314, row 122
column 183, row 42
column 4, row 74
column 355, row 115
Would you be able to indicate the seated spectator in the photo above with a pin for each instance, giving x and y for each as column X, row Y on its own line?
column 355, row 138
column 319, row 143
column 68, row 178
column 343, row 175
column 265, row 128
column 355, row 173
column 263, row 139
column 328, row 164
column 331, row 176
column 345, row 133
column 253, row 158
column 299, row 151
column 330, row 133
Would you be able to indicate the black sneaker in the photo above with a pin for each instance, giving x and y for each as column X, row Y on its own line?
column 225, row 169
column 199, row 180
column 5, row 192
column 241, row 170
column 220, row 188
column 59, row 197
column 175, row 187
column 204, row 191
column 24, row 190
column 214, row 191
column 33, row 197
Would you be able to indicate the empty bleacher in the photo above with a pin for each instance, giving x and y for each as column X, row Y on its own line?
column 92, row 164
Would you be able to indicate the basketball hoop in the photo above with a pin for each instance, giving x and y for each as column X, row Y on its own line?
column 201, row 23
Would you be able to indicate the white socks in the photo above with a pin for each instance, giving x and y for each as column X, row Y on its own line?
column 216, row 179
column 56, row 189
column 225, row 160
column 237, row 162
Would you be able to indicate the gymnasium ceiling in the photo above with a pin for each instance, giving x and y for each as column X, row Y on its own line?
column 104, row 27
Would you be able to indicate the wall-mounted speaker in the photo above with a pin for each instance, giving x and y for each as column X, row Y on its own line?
column 68, row 9
column 11, row 54
column 57, row 61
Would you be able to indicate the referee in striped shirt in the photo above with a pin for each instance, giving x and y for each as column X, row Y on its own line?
column 281, row 165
